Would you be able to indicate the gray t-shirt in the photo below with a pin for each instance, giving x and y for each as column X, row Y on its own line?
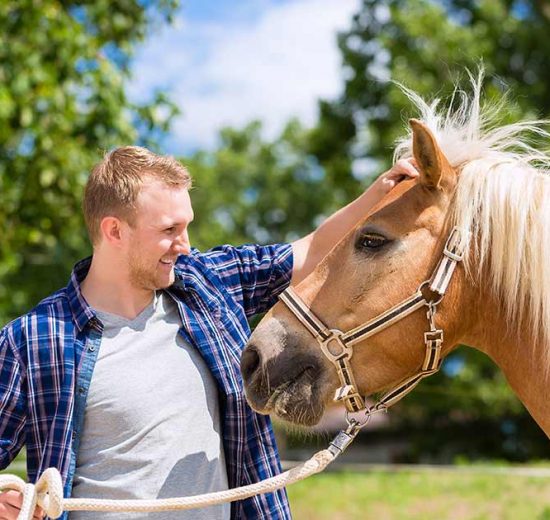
column 152, row 425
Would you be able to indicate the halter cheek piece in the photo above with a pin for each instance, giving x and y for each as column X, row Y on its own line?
column 337, row 346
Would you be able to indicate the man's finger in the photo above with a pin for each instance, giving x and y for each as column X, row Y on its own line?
column 406, row 167
column 389, row 183
column 12, row 498
column 10, row 506
column 9, row 511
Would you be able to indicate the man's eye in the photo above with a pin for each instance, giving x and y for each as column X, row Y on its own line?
column 170, row 230
column 371, row 242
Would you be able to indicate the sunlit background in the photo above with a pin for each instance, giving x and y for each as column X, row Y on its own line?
column 226, row 63
column 283, row 110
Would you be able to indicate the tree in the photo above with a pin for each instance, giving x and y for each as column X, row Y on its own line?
column 250, row 189
column 427, row 46
column 63, row 68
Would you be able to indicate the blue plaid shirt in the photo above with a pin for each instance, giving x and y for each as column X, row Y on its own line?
column 47, row 358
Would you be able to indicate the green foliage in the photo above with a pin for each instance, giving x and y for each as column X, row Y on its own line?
column 63, row 68
column 252, row 190
column 427, row 46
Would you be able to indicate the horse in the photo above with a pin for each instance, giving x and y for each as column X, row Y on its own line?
column 481, row 208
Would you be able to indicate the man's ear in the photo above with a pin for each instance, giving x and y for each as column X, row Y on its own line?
column 432, row 163
column 111, row 230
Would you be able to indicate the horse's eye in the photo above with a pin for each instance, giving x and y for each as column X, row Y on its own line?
column 371, row 241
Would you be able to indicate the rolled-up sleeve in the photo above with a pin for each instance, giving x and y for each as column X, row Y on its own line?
column 254, row 275
column 12, row 402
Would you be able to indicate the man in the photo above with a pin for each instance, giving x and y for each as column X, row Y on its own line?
column 127, row 380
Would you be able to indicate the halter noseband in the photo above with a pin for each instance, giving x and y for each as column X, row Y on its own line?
column 337, row 346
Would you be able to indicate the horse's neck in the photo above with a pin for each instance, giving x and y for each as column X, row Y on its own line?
column 522, row 358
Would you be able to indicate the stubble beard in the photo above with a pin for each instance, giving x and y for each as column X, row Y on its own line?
column 143, row 276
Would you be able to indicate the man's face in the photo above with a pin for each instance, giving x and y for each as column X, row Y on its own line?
column 159, row 235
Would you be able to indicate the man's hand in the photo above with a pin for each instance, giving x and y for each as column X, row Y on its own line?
column 311, row 249
column 400, row 171
column 10, row 506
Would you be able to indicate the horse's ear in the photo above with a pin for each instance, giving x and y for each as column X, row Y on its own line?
column 433, row 165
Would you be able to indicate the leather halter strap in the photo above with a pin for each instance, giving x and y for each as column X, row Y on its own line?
column 337, row 346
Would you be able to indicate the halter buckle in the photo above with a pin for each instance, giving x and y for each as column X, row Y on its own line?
column 432, row 359
column 335, row 340
column 433, row 336
column 457, row 242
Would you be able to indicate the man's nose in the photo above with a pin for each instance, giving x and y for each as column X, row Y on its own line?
column 181, row 244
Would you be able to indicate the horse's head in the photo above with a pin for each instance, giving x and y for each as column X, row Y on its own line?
column 491, row 182
column 381, row 262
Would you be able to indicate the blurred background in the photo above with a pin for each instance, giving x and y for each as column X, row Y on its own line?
column 283, row 111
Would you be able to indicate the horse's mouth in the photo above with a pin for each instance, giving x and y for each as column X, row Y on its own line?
column 295, row 400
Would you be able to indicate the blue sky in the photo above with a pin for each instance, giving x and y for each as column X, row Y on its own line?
column 228, row 62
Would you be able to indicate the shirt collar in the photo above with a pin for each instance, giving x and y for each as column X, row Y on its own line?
column 81, row 311
column 185, row 280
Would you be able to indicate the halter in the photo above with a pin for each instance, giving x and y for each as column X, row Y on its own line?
column 337, row 346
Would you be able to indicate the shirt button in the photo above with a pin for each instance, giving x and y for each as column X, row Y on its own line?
column 91, row 348
column 81, row 390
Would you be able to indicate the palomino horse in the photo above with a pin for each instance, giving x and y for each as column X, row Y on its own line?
column 485, row 182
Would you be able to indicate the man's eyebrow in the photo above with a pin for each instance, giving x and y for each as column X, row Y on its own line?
column 173, row 224
column 166, row 225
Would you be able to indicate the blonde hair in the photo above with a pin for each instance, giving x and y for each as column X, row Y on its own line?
column 502, row 198
column 115, row 183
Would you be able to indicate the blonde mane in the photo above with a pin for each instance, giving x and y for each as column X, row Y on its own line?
column 502, row 197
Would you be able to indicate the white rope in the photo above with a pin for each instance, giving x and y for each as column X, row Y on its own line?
column 48, row 492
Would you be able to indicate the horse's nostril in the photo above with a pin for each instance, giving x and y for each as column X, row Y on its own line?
column 250, row 361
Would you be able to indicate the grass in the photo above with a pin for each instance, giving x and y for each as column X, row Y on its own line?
column 18, row 466
column 414, row 496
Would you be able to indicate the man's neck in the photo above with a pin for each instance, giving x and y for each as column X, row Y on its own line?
column 107, row 288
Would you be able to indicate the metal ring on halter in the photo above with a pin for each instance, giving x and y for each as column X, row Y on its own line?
column 335, row 337
column 431, row 302
column 352, row 421
column 368, row 413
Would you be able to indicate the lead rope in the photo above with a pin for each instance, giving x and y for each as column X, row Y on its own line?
column 47, row 493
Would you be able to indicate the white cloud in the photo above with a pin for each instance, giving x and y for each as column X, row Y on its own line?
column 271, row 67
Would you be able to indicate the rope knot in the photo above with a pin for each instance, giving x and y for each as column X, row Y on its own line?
column 46, row 493
column 49, row 492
